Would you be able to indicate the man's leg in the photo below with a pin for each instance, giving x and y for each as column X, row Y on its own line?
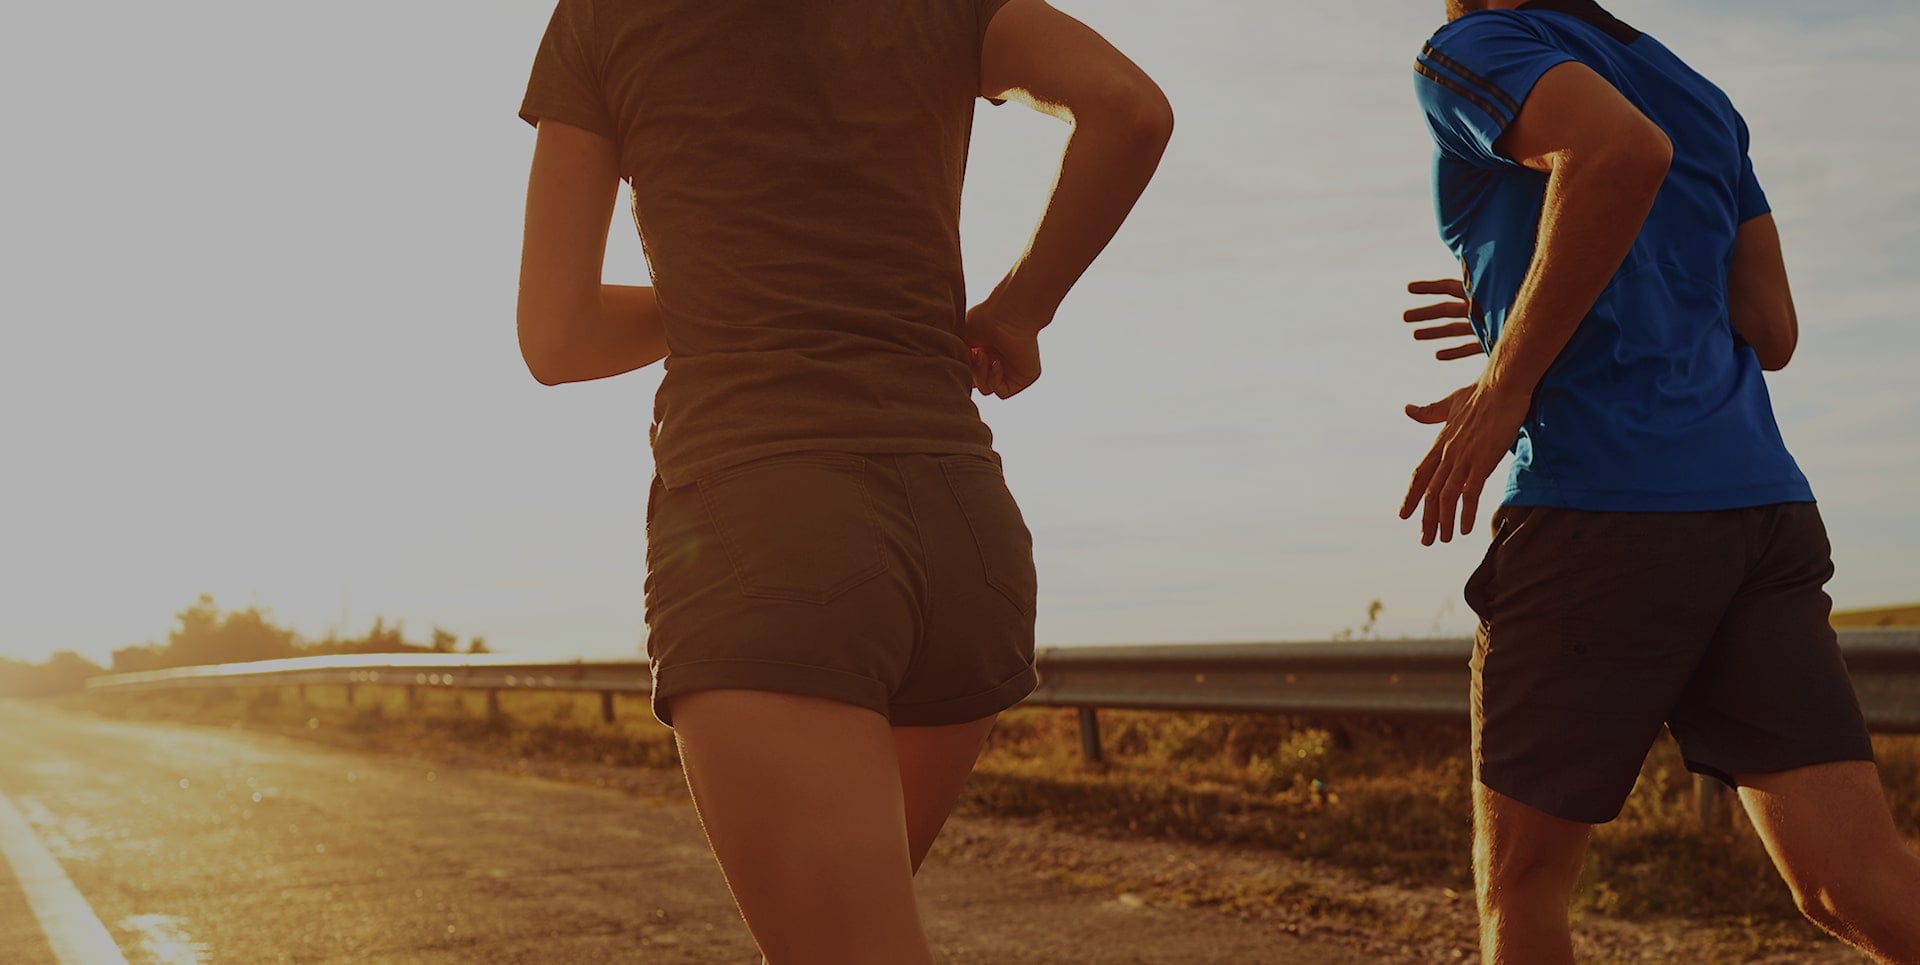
column 1525, row 864
column 934, row 764
column 1829, row 831
column 801, row 800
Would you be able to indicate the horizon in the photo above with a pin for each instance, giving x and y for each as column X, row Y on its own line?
column 262, row 348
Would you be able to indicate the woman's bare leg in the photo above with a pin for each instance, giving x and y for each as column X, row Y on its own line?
column 801, row 800
column 934, row 764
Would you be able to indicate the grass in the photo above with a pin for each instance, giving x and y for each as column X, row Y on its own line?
column 1389, row 802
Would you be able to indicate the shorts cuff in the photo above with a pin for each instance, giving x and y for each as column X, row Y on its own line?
column 960, row 710
column 769, row 675
column 1724, row 769
column 1582, row 808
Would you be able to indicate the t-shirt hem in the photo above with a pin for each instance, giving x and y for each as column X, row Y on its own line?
column 1627, row 501
column 675, row 473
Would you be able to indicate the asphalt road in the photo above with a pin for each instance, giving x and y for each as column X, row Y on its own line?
column 204, row 845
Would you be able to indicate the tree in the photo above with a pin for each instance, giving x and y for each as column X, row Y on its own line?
column 444, row 641
column 66, row 672
column 206, row 636
column 63, row 673
column 478, row 645
column 384, row 639
column 146, row 656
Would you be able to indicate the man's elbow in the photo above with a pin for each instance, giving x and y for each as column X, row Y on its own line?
column 1643, row 159
column 1775, row 354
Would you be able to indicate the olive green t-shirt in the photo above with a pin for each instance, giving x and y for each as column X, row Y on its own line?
column 796, row 169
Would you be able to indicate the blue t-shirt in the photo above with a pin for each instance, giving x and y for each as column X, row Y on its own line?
column 1656, row 404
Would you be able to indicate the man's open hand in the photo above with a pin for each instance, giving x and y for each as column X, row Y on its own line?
column 1455, row 306
column 1481, row 424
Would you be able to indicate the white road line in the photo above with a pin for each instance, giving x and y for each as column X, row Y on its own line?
column 74, row 931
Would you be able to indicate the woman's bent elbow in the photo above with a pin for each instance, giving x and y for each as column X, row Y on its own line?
column 541, row 364
column 1152, row 117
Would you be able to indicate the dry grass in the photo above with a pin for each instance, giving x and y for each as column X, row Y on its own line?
column 1886, row 616
column 1388, row 801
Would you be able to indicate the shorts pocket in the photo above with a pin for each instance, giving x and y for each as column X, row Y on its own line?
column 799, row 527
column 999, row 531
column 1479, row 590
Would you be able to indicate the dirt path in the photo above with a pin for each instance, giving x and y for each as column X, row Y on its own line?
column 255, row 847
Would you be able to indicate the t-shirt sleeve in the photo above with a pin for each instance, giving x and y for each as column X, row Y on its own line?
column 565, row 85
column 987, row 8
column 1749, row 201
column 1472, row 77
column 983, row 16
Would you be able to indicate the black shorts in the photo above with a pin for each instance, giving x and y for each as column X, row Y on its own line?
column 1598, row 628
column 901, row 583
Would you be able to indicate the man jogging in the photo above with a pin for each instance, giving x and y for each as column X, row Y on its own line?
column 1658, row 558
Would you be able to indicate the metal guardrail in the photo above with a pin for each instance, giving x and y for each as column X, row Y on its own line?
column 1419, row 679
column 1408, row 679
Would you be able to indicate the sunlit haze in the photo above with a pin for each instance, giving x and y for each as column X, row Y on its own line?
column 258, row 284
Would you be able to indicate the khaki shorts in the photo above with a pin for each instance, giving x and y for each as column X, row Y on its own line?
column 901, row 583
column 1598, row 628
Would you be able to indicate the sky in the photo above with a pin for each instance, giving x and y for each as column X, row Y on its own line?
column 257, row 271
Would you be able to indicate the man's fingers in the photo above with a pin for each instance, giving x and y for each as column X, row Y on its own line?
column 1449, row 330
column 1470, row 504
column 1431, row 414
column 1427, row 313
column 1438, row 286
column 1421, row 474
column 1467, row 351
column 1453, row 495
column 1430, row 520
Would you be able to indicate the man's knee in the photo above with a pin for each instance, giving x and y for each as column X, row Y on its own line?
column 1847, row 897
column 1527, row 875
column 1524, row 853
column 1821, row 903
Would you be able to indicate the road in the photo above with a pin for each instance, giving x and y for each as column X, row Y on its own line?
column 204, row 845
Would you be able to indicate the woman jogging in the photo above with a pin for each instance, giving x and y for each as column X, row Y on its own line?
column 840, row 589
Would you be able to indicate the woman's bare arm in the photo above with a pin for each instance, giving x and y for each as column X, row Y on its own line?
column 572, row 327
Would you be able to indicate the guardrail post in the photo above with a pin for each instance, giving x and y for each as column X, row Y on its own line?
column 606, row 706
column 1090, row 735
column 349, row 695
column 493, row 705
column 1706, row 794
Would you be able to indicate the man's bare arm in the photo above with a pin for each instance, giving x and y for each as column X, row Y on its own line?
column 572, row 327
column 1121, row 121
column 1758, row 298
column 1605, row 162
